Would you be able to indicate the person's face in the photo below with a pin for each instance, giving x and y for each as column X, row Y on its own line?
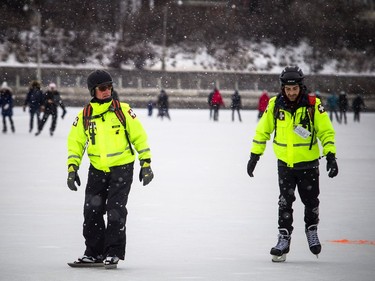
column 103, row 92
column 292, row 91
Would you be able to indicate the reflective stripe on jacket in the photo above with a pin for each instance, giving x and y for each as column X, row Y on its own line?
column 106, row 142
column 288, row 146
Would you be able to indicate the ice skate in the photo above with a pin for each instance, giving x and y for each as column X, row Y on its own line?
column 86, row 261
column 313, row 239
column 111, row 262
column 282, row 247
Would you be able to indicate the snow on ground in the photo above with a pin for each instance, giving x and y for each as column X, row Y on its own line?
column 202, row 218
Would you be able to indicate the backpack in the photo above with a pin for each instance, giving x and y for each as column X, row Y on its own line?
column 311, row 97
column 114, row 107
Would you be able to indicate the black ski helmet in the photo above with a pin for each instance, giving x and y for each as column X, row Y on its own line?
column 98, row 78
column 291, row 75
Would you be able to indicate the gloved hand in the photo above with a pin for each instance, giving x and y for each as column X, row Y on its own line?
column 252, row 163
column 332, row 165
column 146, row 173
column 73, row 177
column 63, row 114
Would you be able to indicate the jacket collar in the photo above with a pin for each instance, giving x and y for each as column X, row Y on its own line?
column 284, row 103
column 100, row 107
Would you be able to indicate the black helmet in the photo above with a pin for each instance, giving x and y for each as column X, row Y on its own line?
column 97, row 78
column 291, row 75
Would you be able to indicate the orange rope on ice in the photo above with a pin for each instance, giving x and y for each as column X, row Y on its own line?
column 346, row 241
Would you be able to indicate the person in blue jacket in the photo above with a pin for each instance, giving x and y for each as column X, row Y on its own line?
column 33, row 100
column 6, row 102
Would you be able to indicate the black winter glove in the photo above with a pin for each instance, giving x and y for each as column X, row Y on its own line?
column 73, row 177
column 146, row 173
column 332, row 167
column 252, row 163
column 63, row 114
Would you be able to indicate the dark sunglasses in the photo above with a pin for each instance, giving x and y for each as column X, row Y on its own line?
column 103, row 88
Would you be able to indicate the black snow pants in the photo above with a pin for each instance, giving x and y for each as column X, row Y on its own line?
column 307, row 182
column 47, row 113
column 5, row 123
column 107, row 194
column 238, row 112
column 34, row 112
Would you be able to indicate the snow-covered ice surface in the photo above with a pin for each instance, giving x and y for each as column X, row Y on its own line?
column 202, row 218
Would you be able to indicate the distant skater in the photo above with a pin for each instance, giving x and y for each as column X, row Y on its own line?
column 343, row 106
column 6, row 103
column 163, row 105
column 217, row 102
column 51, row 101
column 33, row 100
column 357, row 106
column 236, row 105
column 332, row 104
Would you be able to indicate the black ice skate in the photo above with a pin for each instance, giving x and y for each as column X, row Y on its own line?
column 86, row 261
column 111, row 262
column 313, row 240
column 282, row 248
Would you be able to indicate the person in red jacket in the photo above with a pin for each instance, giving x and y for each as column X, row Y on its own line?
column 217, row 101
column 262, row 104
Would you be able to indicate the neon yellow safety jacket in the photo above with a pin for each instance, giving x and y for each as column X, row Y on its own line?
column 105, row 138
column 289, row 146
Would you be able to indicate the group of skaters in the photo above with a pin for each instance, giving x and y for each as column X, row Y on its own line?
column 215, row 102
column 339, row 105
column 336, row 105
column 44, row 104
column 41, row 105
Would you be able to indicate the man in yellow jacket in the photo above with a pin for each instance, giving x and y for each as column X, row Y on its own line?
column 111, row 132
column 298, row 120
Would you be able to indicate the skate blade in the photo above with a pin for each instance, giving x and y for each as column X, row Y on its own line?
column 279, row 258
column 85, row 264
column 110, row 266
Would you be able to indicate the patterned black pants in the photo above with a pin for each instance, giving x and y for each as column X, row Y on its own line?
column 107, row 194
column 307, row 183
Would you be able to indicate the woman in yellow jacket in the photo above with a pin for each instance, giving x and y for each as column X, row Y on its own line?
column 111, row 132
column 298, row 120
